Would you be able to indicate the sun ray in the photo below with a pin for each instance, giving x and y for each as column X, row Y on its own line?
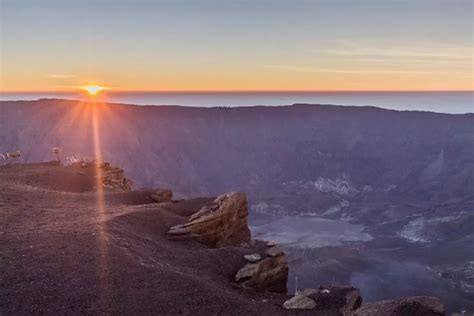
column 102, row 239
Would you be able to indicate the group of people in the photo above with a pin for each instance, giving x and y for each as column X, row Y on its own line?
column 13, row 155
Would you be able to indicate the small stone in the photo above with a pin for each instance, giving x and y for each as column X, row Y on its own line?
column 271, row 243
column 325, row 291
column 274, row 251
column 253, row 257
column 299, row 301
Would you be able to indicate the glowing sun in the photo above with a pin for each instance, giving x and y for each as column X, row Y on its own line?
column 93, row 89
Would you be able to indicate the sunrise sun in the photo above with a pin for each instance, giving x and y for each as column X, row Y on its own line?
column 93, row 89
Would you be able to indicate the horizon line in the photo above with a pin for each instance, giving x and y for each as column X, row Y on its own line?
column 235, row 91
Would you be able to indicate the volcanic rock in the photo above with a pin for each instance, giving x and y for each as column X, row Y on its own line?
column 162, row 195
column 113, row 177
column 222, row 223
column 274, row 251
column 299, row 301
column 416, row 305
column 339, row 299
column 253, row 257
column 270, row 274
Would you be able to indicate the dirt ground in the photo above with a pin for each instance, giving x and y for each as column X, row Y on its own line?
column 63, row 253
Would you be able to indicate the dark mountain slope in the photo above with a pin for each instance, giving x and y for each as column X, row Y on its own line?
column 258, row 147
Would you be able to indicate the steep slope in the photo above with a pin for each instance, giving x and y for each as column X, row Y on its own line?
column 256, row 147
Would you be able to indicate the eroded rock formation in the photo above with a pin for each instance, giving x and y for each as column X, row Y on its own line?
column 113, row 177
column 223, row 223
column 268, row 274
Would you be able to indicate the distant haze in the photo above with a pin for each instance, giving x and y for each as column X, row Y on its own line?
column 443, row 102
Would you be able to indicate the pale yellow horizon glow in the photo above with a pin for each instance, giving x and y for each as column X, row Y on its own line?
column 330, row 76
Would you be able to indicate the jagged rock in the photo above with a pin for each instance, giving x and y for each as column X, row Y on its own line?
column 221, row 224
column 162, row 195
column 409, row 306
column 299, row 301
column 340, row 299
column 113, row 177
column 269, row 274
column 254, row 257
column 274, row 251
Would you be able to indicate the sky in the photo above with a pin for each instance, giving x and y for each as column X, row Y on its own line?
column 236, row 45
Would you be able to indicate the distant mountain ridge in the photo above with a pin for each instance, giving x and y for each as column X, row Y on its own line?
column 310, row 141
column 204, row 151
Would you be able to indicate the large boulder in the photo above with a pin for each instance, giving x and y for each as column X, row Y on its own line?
column 223, row 223
column 269, row 274
column 409, row 306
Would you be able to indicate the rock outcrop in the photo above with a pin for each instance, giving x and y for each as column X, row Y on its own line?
column 162, row 195
column 416, row 305
column 113, row 177
column 223, row 223
column 268, row 274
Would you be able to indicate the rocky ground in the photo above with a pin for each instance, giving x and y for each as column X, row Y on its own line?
column 64, row 249
column 375, row 198
column 61, row 255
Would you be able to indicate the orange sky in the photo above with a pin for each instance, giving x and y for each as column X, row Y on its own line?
column 210, row 46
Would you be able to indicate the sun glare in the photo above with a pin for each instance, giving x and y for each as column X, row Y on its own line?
column 93, row 89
